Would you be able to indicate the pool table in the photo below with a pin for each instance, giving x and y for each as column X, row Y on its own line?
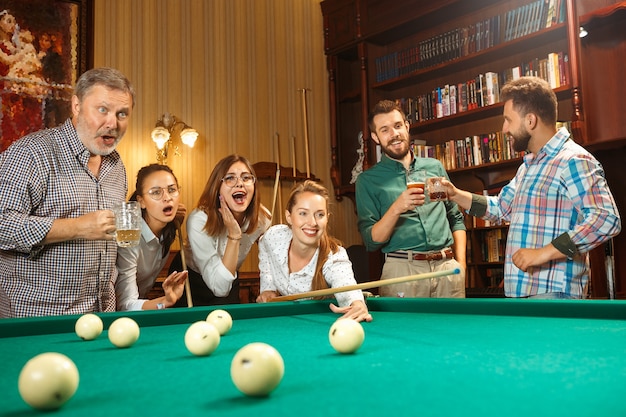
column 421, row 357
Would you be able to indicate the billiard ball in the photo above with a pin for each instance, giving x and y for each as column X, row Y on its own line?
column 88, row 326
column 257, row 369
column 202, row 338
column 48, row 381
column 124, row 332
column 222, row 321
column 346, row 335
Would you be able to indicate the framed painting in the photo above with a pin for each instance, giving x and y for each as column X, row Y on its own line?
column 44, row 47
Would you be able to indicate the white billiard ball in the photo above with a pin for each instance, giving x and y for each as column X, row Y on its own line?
column 202, row 338
column 88, row 326
column 48, row 380
column 124, row 332
column 346, row 335
column 257, row 369
column 222, row 321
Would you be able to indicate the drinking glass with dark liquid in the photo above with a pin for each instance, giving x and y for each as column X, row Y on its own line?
column 436, row 190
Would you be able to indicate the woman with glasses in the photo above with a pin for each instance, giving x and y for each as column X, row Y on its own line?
column 221, row 231
column 158, row 194
column 302, row 256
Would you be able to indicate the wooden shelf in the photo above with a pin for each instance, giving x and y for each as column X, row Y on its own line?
column 499, row 51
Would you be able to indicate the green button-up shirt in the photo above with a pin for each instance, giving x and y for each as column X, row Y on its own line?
column 427, row 228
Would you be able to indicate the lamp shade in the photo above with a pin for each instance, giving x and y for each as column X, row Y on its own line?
column 160, row 136
column 189, row 136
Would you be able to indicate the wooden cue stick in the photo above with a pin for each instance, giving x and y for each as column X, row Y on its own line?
column 305, row 121
column 293, row 158
column 184, row 264
column 367, row 285
column 277, row 180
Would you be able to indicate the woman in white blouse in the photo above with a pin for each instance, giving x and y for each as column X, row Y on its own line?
column 138, row 267
column 221, row 231
column 302, row 256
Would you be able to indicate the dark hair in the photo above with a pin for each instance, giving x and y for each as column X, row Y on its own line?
column 169, row 231
column 532, row 95
column 383, row 107
column 328, row 243
column 209, row 199
column 108, row 77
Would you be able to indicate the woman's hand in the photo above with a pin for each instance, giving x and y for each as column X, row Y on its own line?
column 173, row 287
column 356, row 311
column 266, row 296
column 233, row 228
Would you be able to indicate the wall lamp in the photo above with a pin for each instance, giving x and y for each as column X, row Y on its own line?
column 162, row 135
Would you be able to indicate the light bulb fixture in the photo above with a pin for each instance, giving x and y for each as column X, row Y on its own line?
column 582, row 32
column 162, row 136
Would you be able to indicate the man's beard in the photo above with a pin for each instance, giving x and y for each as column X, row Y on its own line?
column 520, row 140
column 395, row 155
column 91, row 142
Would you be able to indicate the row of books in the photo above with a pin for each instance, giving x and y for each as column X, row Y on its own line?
column 468, row 152
column 532, row 17
column 451, row 99
column 493, row 242
column 483, row 90
column 438, row 49
column 460, row 42
column 493, row 277
column 555, row 69
column 473, row 151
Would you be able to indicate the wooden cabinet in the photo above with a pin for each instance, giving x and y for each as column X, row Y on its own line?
column 372, row 57
column 249, row 287
column 603, row 81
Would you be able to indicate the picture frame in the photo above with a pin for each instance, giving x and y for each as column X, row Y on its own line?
column 45, row 45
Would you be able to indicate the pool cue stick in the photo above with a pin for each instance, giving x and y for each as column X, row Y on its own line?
column 367, row 285
column 276, row 180
column 306, row 134
column 293, row 158
column 184, row 264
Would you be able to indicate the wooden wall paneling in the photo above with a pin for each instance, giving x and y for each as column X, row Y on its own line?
column 230, row 69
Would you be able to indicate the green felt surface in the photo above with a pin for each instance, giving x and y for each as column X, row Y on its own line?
column 419, row 358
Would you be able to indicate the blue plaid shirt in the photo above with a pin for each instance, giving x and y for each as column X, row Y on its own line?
column 559, row 190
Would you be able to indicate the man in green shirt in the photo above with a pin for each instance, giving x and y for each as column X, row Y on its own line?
column 416, row 236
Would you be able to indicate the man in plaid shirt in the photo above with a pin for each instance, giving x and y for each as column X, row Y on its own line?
column 558, row 204
column 57, row 248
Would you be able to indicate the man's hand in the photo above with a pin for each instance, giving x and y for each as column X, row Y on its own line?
column 95, row 225
column 409, row 200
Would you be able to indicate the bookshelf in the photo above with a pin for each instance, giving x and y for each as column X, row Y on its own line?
column 411, row 50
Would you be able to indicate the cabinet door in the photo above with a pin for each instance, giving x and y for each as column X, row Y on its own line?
column 603, row 70
column 340, row 23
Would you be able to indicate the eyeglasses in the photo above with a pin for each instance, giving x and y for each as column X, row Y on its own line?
column 231, row 180
column 156, row 193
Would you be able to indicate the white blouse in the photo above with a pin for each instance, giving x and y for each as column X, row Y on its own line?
column 138, row 268
column 274, row 268
column 204, row 253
